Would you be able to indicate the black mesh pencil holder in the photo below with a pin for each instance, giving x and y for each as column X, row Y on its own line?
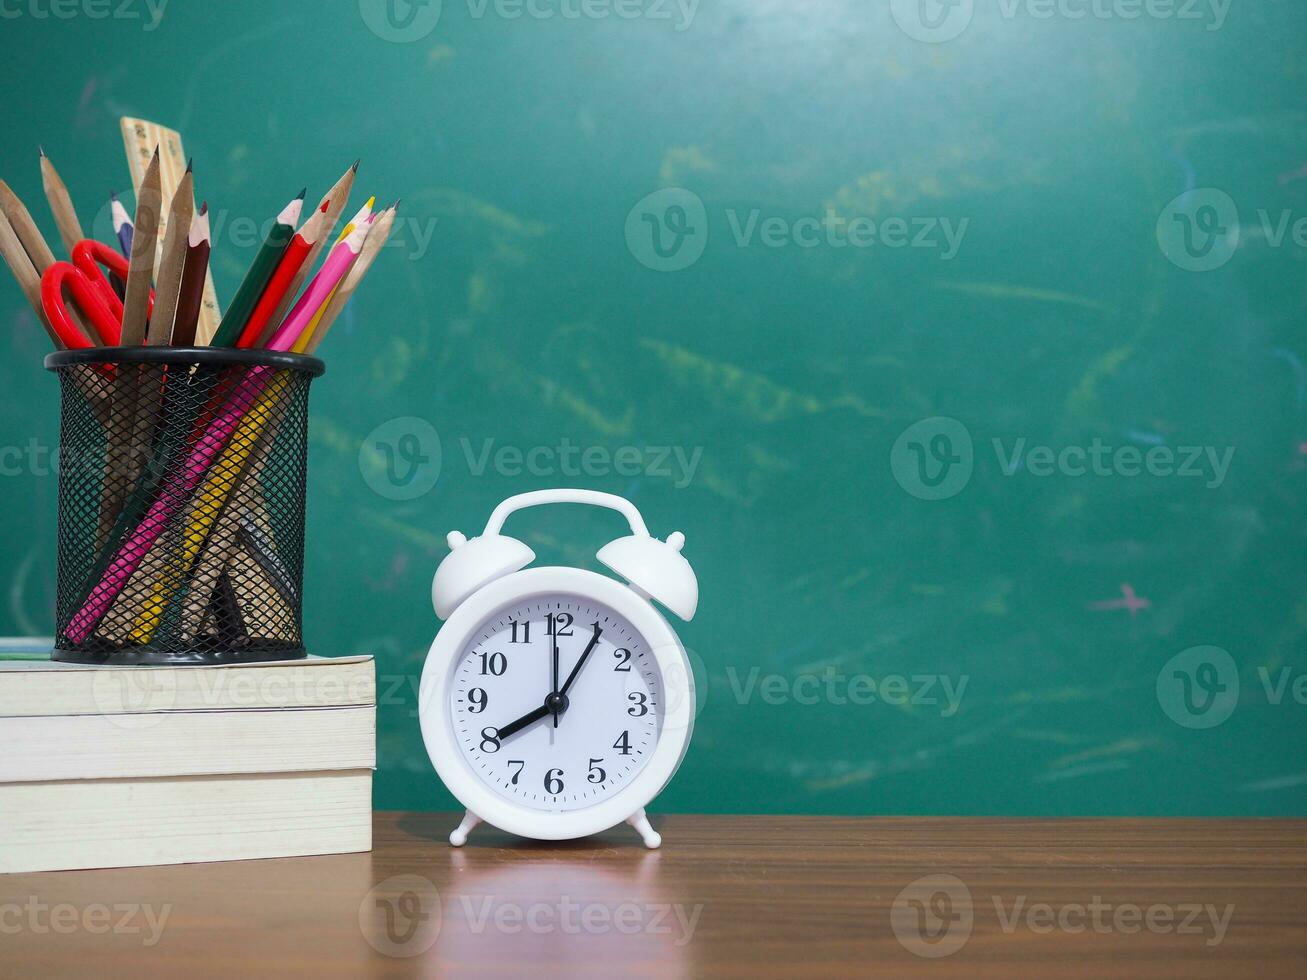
column 181, row 504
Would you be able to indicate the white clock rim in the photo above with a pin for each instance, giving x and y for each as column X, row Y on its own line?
column 437, row 725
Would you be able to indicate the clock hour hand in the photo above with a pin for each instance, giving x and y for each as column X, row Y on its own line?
column 585, row 655
column 513, row 727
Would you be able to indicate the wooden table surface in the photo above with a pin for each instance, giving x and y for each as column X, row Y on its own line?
column 726, row 896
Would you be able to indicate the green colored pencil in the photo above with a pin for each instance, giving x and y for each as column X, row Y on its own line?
column 261, row 270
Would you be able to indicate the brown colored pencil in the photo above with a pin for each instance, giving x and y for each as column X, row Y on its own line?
column 172, row 261
column 61, row 204
column 191, row 297
column 335, row 200
column 140, row 272
column 371, row 249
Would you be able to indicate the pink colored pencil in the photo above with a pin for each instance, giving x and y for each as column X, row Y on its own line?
column 328, row 278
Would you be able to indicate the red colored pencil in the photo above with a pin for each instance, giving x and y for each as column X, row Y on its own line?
column 297, row 252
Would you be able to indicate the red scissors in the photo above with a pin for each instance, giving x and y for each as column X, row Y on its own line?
column 83, row 281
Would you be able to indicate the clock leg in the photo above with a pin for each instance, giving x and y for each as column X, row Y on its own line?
column 642, row 827
column 459, row 836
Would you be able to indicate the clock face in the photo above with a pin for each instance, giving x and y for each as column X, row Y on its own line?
column 556, row 702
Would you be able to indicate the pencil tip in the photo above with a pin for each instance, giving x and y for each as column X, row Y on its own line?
column 113, row 195
column 355, row 168
column 190, row 164
column 300, row 195
column 41, row 149
column 204, row 208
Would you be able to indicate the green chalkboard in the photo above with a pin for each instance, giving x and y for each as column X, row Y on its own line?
column 966, row 349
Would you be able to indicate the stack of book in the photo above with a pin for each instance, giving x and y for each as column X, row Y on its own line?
column 105, row 767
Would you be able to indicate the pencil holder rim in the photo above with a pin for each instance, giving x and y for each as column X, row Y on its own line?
column 213, row 356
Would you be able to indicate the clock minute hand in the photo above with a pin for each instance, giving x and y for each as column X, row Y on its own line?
column 585, row 654
column 513, row 727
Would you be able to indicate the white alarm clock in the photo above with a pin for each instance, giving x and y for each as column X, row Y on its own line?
column 557, row 702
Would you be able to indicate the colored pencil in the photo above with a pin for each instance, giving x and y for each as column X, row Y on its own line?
column 140, row 272
column 296, row 254
column 328, row 278
column 191, row 297
column 172, row 261
column 61, row 204
column 260, row 273
column 306, row 334
column 334, row 202
column 376, row 240
column 122, row 224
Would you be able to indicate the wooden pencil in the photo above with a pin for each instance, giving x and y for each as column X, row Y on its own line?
column 191, row 297
column 371, row 249
column 334, row 202
column 297, row 252
column 25, row 228
column 61, row 204
column 11, row 249
column 172, row 261
column 140, row 272
column 259, row 274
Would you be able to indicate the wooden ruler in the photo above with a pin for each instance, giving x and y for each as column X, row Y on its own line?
column 140, row 137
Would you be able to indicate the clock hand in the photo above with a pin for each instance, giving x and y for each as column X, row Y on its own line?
column 513, row 727
column 585, row 655
column 554, row 689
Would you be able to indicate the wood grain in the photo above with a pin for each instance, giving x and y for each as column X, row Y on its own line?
column 774, row 896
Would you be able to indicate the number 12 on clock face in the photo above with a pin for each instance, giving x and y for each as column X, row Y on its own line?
column 556, row 703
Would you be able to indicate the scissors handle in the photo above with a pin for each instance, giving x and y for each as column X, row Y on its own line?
column 88, row 256
column 62, row 280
